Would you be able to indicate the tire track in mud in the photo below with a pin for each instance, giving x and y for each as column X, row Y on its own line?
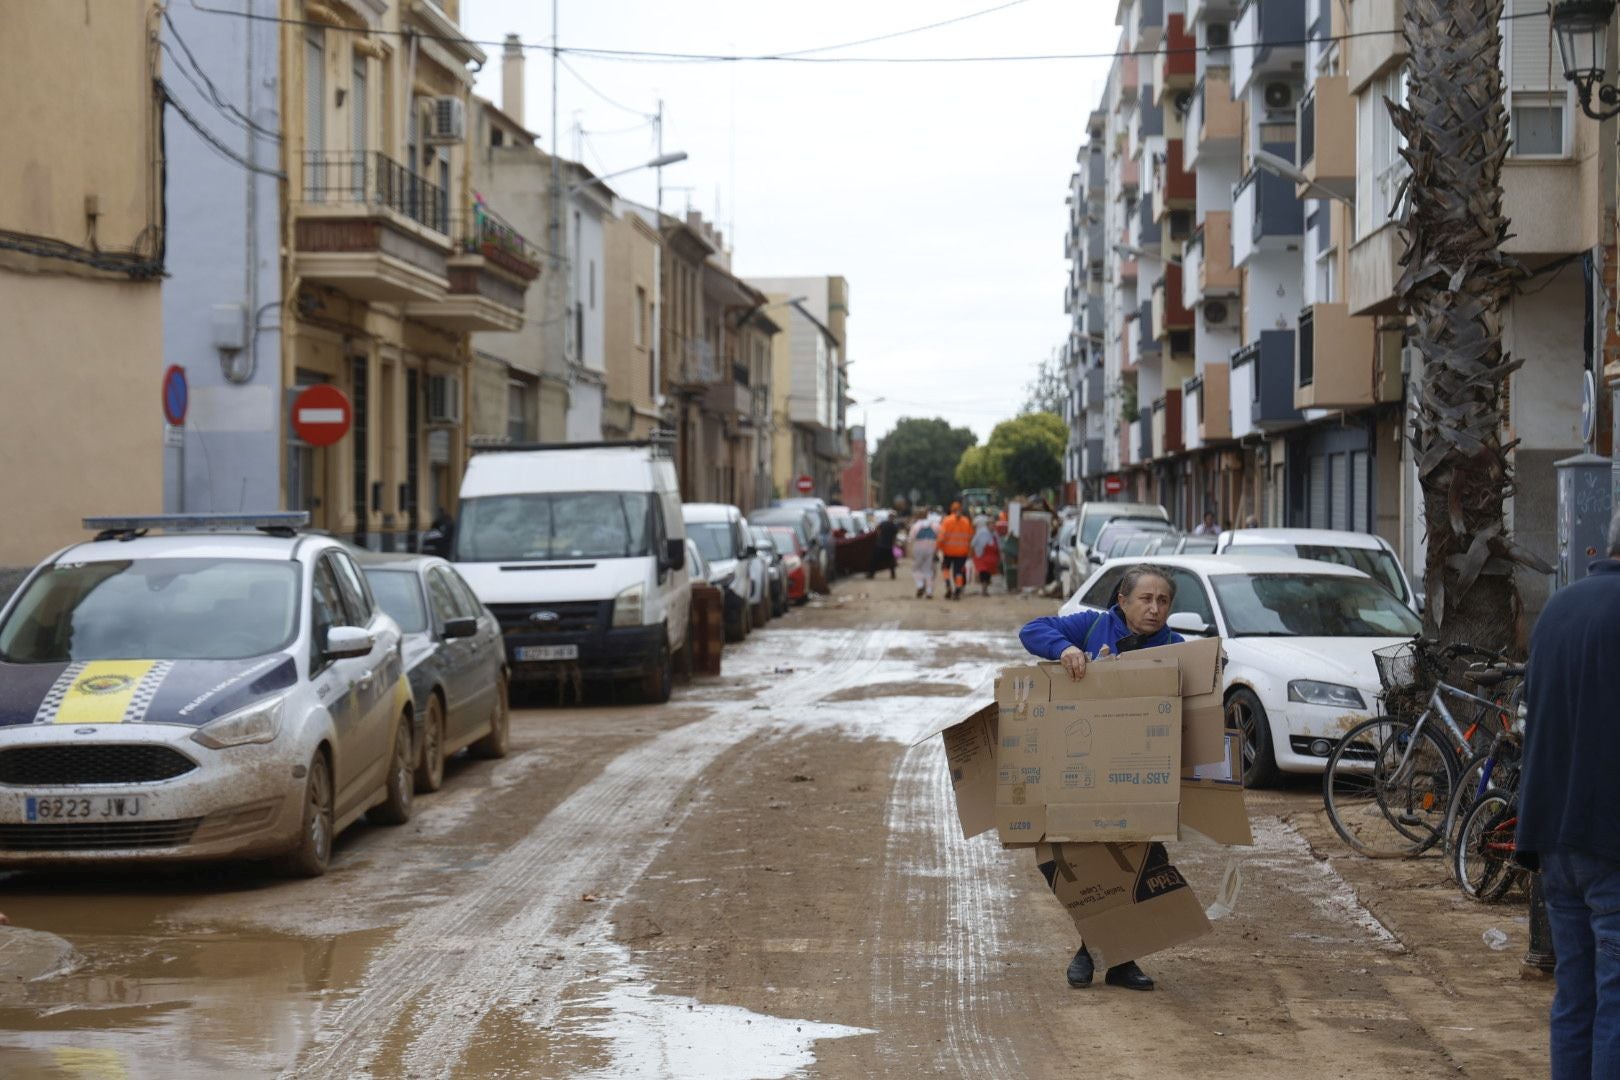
column 951, row 899
column 475, row 951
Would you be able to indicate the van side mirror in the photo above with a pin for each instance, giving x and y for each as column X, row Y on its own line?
column 675, row 555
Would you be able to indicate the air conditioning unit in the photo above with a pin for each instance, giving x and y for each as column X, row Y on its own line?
column 447, row 122
column 1215, row 313
column 443, row 399
column 1218, row 35
column 1279, row 95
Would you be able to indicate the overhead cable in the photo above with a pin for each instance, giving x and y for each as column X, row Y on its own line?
column 214, row 140
column 231, row 112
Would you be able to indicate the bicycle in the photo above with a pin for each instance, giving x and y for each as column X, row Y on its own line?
column 1496, row 768
column 1482, row 857
column 1389, row 781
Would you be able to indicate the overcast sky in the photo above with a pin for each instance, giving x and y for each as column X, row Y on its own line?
column 935, row 189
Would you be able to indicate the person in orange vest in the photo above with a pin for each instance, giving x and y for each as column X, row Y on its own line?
column 956, row 548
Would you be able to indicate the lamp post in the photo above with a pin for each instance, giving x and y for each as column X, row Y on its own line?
column 1582, row 27
column 656, row 163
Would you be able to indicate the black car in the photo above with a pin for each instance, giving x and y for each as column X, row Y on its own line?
column 454, row 659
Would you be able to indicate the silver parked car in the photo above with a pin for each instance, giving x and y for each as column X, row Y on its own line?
column 227, row 690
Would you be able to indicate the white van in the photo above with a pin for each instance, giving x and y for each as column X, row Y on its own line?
column 580, row 551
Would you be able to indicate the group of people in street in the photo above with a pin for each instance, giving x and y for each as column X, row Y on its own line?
column 969, row 550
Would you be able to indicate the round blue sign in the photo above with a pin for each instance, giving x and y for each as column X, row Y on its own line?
column 175, row 395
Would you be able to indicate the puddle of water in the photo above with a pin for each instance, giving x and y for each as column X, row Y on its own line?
column 645, row 1033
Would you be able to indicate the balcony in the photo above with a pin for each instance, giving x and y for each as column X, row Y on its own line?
column 1335, row 368
column 489, row 277
column 1214, row 120
column 1261, row 21
column 730, row 398
column 1148, row 233
column 1266, row 215
column 1170, row 314
column 697, row 367
column 1149, row 348
column 1094, row 240
column 1268, row 369
column 1091, row 390
column 1096, row 171
column 1142, row 449
column 1092, row 463
column 1129, row 81
column 1143, row 23
column 1327, row 137
column 1212, row 412
column 1175, row 187
column 1167, row 433
column 1175, row 65
column 1130, row 176
column 371, row 228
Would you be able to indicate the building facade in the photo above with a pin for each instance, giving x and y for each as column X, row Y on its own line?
column 1235, row 343
column 83, row 237
column 810, row 398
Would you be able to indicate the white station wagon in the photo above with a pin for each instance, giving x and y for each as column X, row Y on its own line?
column 1298, row 636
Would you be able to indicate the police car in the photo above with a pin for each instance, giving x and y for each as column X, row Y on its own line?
column 228, row 689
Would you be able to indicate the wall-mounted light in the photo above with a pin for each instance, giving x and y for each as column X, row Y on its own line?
column 1582, row 27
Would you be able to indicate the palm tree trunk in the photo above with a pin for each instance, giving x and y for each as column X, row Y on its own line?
column 1455, row 282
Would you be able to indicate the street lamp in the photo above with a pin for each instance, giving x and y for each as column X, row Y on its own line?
column 656, row 163
column 1286, row 169
column 1132, row 252
column 1582, row 27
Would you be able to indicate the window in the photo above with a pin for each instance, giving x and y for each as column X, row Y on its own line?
column 400, row 594
column 315, row 90
column 591, row 279
column 325, row 611
column 442, row 597
column 1378, row 147
column 467, row 603
column 356, row 597
column 517, row 411
column 358, row 102
column 641, row 317
column 1537, row 95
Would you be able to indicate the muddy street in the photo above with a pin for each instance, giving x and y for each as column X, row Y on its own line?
column 762, row 879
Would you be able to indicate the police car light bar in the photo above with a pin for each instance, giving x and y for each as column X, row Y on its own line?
column 287, row 520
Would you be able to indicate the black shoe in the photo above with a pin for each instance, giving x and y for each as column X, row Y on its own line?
column 1128, row 976
column 1081, row 968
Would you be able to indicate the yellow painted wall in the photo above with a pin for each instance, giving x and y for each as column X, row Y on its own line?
column 81, row 431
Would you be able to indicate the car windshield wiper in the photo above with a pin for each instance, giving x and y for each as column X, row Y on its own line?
column 1268, row 633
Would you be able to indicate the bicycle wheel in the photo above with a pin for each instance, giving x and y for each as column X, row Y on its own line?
column 1482, row 861
column 1463, row 798
column 1386, row 788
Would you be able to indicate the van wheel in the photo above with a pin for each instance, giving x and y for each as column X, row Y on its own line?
column 395, row 809
column 494, row 744
column 659, row 682
column 313, row 851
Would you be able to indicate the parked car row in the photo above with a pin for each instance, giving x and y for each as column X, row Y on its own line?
column 233, row 689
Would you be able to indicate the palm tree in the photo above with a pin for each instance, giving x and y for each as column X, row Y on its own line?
column 1455, row 281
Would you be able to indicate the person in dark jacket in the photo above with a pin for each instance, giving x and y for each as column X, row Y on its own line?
column 883, row 547
column 1569, row 810
column 1135, row 621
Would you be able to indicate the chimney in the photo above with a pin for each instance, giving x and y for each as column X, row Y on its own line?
column 512, row 79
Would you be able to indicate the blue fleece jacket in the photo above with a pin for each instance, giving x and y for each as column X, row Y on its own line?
column 1049, row 635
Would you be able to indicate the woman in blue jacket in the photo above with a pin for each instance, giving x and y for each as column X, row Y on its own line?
column 1135, row 621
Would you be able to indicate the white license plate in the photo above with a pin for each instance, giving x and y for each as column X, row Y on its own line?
column 547, row 652
column 41, row 809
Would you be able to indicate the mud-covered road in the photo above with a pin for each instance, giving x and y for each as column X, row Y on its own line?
column 761, row 880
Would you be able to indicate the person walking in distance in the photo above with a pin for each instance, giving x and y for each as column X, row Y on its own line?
column 1135, row 621
column 923, row 541
column 956, row 546
column 1208, row 527
column 1569, row 810
column 986, row 553
column 883, row 547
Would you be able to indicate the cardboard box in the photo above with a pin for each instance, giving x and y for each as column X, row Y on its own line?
column 1010, row 767
column 1127, row 900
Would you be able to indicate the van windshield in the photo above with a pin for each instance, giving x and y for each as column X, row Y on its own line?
column 557, row 526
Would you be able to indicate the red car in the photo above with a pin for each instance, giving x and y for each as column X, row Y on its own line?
column 798, row 571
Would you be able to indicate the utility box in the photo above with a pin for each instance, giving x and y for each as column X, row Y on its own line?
column 1584, row 507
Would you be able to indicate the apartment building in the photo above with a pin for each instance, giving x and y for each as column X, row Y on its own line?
column 810, row 391
column 83, row 237
column 1254, row 363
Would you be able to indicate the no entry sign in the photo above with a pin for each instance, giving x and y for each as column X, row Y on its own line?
column 1113, row 485
column 804, row 485
column 176, row 395
column 321, row 415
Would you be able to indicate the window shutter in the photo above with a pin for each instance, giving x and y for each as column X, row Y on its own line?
column 1317, row 501
column 1337, row 494
column 359, row 104
column 315, row 90
column 1529, row 54
column 1360, row 491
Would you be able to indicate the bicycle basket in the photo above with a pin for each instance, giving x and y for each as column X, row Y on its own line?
column 1397, row 665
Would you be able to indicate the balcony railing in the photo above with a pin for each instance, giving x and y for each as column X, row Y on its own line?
column 485, row 233
column 1270, row 364
column 372, row 179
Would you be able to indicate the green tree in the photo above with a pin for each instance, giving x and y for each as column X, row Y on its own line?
column 977, row 469
column 920, row 456
column 1024, row 456
column 1028, row 451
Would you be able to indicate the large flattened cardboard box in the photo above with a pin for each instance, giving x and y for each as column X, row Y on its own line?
column 1013, row 760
